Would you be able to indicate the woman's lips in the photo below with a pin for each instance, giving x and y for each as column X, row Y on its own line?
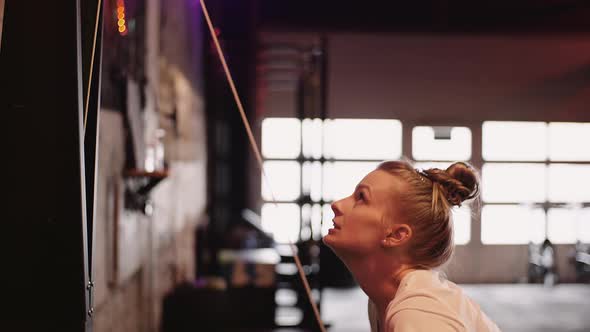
column 333, row 230
column 335, row 224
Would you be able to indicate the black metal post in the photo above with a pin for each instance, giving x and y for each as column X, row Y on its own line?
column 43, row 241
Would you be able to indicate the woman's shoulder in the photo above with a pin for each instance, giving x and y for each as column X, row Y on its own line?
column 428, row 297
column 426, row 291
column 423, row 320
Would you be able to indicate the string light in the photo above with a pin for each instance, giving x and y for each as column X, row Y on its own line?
column 121, row 23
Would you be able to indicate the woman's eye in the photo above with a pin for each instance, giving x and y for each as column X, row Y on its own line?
column 360, row 196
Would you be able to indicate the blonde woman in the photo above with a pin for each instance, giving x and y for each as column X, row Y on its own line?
column 392, row 233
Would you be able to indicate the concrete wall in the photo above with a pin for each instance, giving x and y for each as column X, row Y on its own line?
column 139, row 257
column 449, row 78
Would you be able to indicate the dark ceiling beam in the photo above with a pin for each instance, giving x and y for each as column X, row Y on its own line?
column 546, row 16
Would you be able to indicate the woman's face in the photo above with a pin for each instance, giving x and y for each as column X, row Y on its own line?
column 361, row 220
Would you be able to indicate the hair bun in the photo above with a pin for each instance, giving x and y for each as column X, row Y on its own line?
column 459, row 181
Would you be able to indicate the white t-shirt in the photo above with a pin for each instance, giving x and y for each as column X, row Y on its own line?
column 425, row 302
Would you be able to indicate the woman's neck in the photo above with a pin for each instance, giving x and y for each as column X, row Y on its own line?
column 379, row 281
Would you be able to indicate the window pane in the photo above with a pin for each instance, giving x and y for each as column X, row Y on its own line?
column 569, row 183
column 425, row 146
column 513, row 183
column 362, row 139
column 281, row 137
column 305, row 222
column 312, row 180
column 282, row 221
column 328, row 215
column 583, row 225
column 567, row 225
column 312, row 138
column 462, row 225
column 512, row 224
column 517, row 141
column 568, row 141
column 284, row 177
column 340, row 178
column 316, row 221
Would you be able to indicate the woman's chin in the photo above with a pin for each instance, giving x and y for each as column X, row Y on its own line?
column 328, row 240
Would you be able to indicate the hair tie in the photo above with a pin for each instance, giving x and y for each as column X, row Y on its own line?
column 446, row 194
column 422, row 175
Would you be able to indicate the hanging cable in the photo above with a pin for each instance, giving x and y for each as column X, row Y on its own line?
column 256, row 151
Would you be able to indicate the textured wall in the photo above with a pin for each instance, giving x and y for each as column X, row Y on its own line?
column 138, row 258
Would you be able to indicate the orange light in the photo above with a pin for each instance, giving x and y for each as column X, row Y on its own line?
column 121, row 17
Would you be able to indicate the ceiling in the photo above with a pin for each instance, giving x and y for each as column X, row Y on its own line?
column 459, row 16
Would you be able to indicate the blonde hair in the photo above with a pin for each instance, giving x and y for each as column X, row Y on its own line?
column 426, row 206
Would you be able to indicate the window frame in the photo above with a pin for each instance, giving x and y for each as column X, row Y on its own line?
column 303, row 200
column 546, row 204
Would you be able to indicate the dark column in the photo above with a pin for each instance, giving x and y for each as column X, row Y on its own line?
column 43, row 236
column 228, row 145
column 92, row 31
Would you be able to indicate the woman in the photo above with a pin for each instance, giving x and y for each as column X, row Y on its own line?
column 392, row 233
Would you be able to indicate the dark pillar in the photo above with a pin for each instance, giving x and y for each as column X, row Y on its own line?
column 43, row 234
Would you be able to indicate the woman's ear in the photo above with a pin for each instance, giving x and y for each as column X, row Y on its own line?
column 397, row 235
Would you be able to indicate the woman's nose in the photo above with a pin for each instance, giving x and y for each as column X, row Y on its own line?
column 336, row 208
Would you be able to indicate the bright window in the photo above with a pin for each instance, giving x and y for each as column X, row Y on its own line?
column 441, row 143
column 282, row 221
column 328, row 216
column 512, row 224
column 312, row 138
column 565, row 225
column 518, row 141
column 353, row 149
column 569, row 141
column 342, row 177
column 362, row 139
column 316, row 221
column 312, row 180
column 439, row 147
column 569, row 183
column 281, row 138
column 539, row 173
column 513, row 182
column 583, row 225
column 462, row 225
column 284, row 177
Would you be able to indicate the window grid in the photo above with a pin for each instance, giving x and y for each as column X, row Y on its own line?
column 546, row 204
column 477, row 160
column 462, row 226
column 308, row 225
